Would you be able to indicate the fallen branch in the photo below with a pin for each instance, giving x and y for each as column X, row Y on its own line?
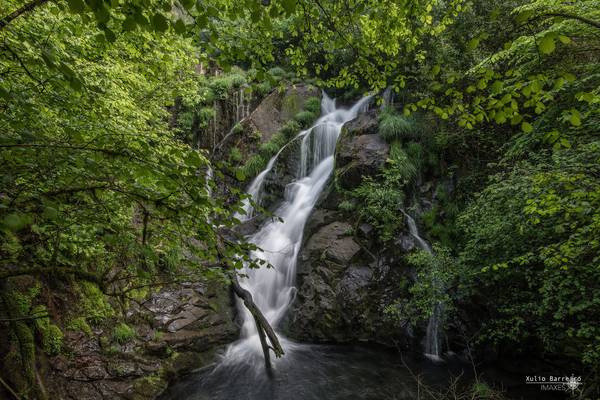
column 262, row 325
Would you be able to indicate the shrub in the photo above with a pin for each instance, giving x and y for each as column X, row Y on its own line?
column 237, row 129
column 346, row 206
column 401, row 168
column 93, row 303
column 269, row 149
column 305, row 118
column 253, row 166
column 264, row 88
column 381, row 205
column 415, row 153
column 277, row 72
column 313, row 104
column 290, row 129
column 185, row 120
column 235, row 155
column 123, row 333
column 396, row 127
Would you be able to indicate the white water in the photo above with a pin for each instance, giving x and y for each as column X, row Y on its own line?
column 273, row 288
column 432, row 335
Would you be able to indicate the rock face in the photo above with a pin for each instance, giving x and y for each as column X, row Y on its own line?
column 278, row 108
column 360, row 152
column 177, row 330
column 344, row 279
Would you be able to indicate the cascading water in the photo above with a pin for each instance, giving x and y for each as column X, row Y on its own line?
column 279, row 240
column 432, row 334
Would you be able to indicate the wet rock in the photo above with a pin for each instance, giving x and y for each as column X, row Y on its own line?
column 278, row 108
column 192, row 318
column 360, row 152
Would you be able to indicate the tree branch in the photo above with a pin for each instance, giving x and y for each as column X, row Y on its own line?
column 26, row 8
column 262, row 325
column 585, row 20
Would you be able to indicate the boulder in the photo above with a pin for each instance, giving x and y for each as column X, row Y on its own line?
column 360, row 152
column 278, row 108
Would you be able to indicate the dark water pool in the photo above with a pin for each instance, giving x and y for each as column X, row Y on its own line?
column 318, row 372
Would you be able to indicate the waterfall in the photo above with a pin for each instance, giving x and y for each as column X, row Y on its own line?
column 432, row 335
column 279, row 239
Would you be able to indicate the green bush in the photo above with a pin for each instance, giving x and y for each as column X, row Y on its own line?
column 313, row 104
column 400, row 164
column 269, row 149
column 290, row 129
column 123, row 333
column 305, row 118
column 223, row 85
column 346, row 206
column 264, row 88
column 381, row 206
column 277, row 71
column 185, row 120
column 235, row 155
column 396, row 127
column 237, row 129
column 94, row 304
column 254, row 166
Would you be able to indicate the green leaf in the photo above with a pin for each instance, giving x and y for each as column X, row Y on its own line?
column 526, row 127
column 160, row 23
column 564, row 39
column 575, row 118
column 179, row 27
column 547, row 45
column 76, row 6
column 289, row 6
column 473, row 43
column 129, row 24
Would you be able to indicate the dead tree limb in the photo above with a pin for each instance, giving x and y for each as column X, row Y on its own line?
column 263, row 327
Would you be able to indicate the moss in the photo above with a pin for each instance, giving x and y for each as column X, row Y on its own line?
column 52, row 340
column 94, row 304
column 149, row 387
column 123, row 333
column 277, row 71
column 80, row 324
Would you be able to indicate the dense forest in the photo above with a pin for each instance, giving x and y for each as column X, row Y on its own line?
column 152, row 150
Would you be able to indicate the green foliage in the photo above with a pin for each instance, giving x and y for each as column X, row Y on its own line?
column 435, row 272
column 305, row 118
column 529, row 248
column 94, row 304
column 400, row 166
column 381, row 206
column 254, row 165
column 51, row 334
column 223, row 85
column 237, row 128
column 346, row 206
column 290, row 129
column 123, row 333
column 80, row 324
column 394, row 127
column 313, row 104
column 235, row 155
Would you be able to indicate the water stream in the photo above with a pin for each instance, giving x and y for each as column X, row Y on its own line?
column 279, row 239
column 432, row 343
